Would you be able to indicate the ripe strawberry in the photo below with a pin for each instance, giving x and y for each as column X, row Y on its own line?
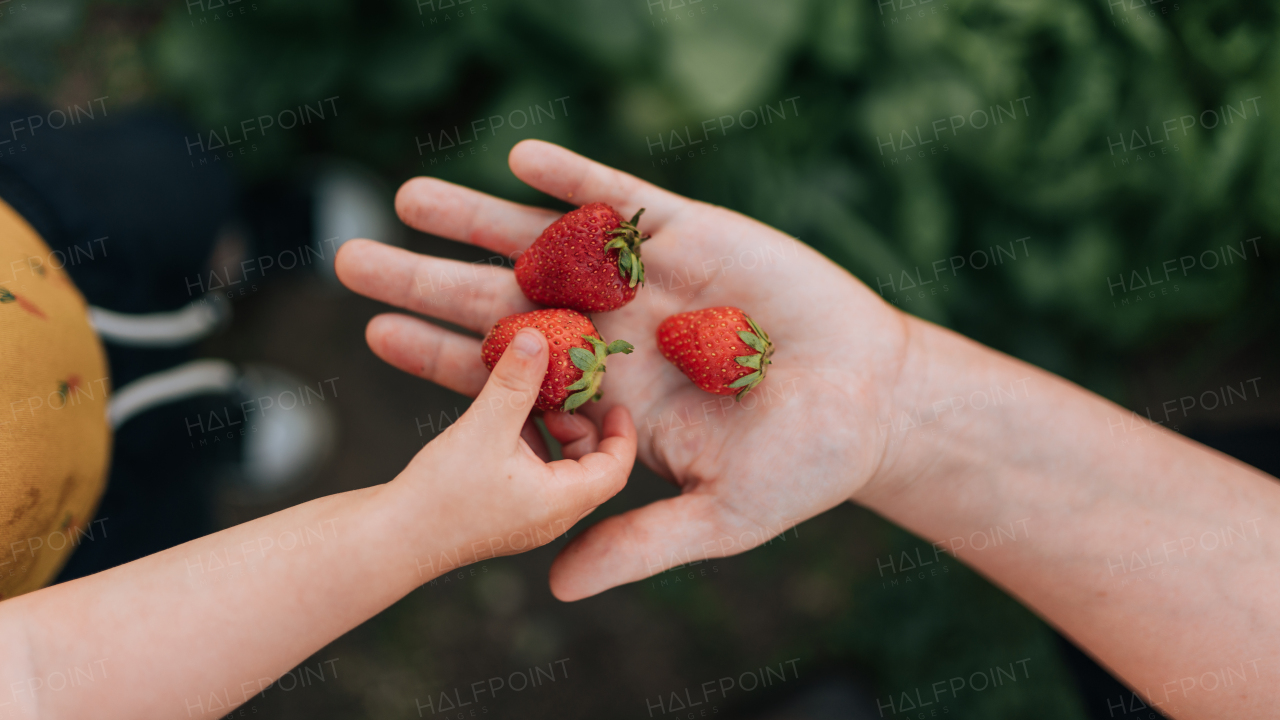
column 720, row 349
column 588, row 260
column 577, row 355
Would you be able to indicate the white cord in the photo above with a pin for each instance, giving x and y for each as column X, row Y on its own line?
column 197, row 377
column 165, row 329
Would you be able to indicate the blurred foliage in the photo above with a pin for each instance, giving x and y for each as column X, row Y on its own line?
column 864, row 594
column 1092, row 73
column 30, row 33
column 1062, row 173
column 860, row 72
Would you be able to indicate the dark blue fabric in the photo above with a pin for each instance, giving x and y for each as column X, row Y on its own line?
column 124, row 177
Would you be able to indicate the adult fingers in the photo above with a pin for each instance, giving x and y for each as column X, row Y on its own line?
column 473, row 295
column 571, row 177
column 458, row 213
column 649, row 540
column 597, row 476
column 428, row 351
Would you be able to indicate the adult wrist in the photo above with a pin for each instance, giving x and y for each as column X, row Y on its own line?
column 954, row 405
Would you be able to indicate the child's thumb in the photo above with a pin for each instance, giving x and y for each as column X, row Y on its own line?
column 504, row 404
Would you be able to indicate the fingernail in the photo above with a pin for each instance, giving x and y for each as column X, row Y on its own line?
column 525, row 343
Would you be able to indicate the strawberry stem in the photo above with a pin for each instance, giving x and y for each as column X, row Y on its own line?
column 758, row 340
column 626, row 239
column 592, row 364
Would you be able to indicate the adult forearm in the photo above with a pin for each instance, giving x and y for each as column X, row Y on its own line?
column 1155, row 553
column 205, row 626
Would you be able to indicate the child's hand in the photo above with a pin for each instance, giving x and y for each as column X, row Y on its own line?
column 485, row 483
column 299, row 578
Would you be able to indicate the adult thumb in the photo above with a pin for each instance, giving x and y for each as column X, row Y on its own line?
column 504, row 404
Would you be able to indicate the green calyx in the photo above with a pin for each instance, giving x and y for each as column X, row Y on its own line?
column 626, row 240
column 592, row 364
column 759, row 361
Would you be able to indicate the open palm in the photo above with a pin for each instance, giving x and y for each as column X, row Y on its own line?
column 800, row 443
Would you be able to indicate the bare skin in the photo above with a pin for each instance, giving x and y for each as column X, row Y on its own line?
column 935, row 432
column 201, row 628
column 868, row 414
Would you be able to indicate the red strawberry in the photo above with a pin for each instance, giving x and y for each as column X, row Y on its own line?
column 576, row 367
column 588, row 260
column 720, row 349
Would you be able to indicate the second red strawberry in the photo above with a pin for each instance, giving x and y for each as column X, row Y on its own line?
column 576, row 366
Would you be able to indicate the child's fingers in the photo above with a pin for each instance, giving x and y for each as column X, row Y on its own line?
column 648, row 540
column 503, row 405
column 619, row 436
column 576, row 434
column 598, row 476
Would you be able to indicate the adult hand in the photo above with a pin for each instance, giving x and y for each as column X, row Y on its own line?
column 802, row 442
